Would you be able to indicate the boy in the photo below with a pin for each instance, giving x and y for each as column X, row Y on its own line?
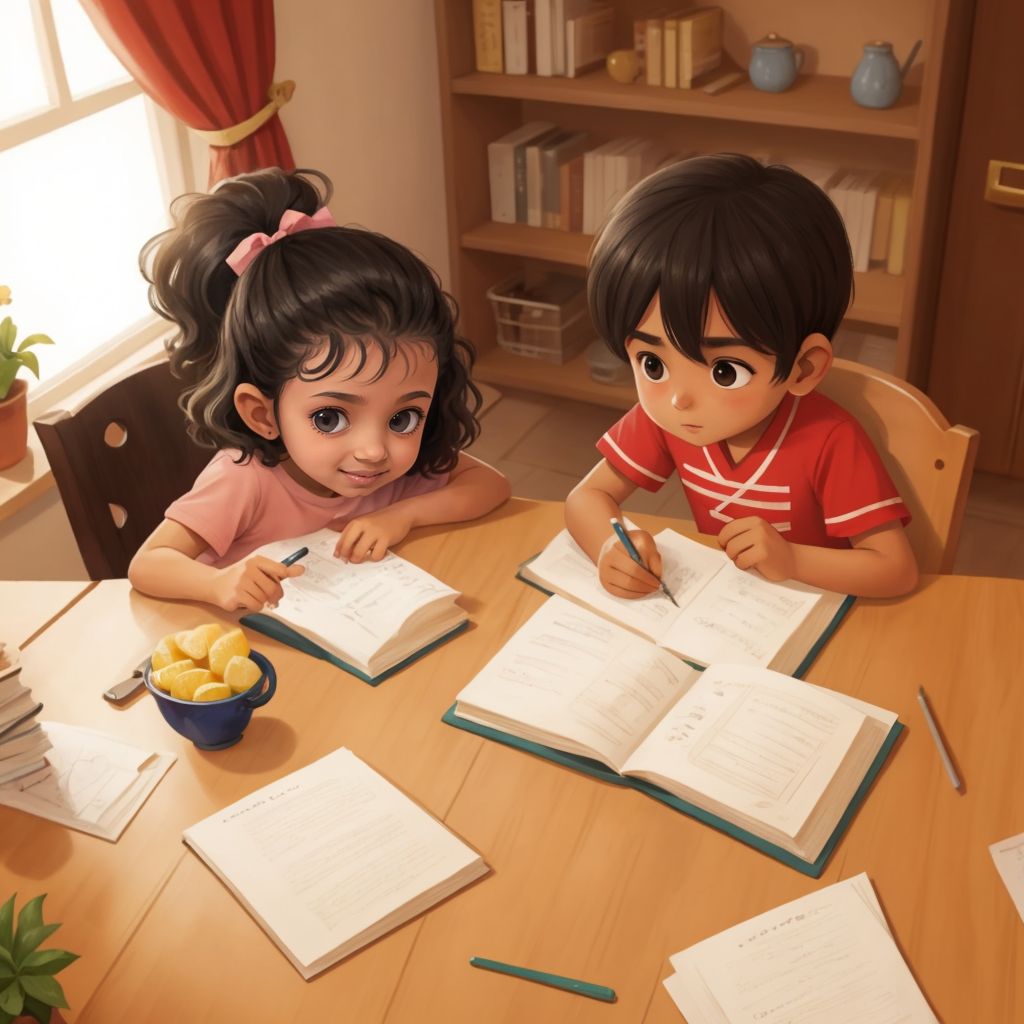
column 721, row 281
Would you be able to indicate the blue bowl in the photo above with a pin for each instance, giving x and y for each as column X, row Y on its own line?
column 216, row 724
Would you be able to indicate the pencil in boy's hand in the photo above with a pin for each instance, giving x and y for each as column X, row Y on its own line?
column 635, row 555
column 295, row 556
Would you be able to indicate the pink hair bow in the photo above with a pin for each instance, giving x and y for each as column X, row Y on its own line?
column 292, row 222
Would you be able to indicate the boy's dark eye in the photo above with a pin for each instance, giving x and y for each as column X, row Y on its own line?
column 405, row 422
column 728, row 373
column 652, row 367
column 330, row 421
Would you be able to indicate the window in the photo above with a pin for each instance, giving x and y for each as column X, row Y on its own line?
column 88, row 166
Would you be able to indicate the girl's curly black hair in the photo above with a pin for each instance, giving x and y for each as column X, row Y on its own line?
column 341, row 286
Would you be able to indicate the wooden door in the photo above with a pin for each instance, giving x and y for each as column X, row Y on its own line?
column 977, row 370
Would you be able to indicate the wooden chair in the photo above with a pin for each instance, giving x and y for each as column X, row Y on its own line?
column 119, row 461
column 929, row 461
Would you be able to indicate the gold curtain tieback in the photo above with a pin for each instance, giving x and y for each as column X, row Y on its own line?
column 280, row 93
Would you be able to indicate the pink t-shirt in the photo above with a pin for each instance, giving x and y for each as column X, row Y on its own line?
column 237, row 508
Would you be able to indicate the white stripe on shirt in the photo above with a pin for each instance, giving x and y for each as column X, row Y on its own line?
column 717, row 478
column 636, row 465
column 726, row 500
column 861, row 511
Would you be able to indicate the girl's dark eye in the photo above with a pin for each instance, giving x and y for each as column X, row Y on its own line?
column 730, row 374
column 405, row 422
column 652, row 367
column 330, row 421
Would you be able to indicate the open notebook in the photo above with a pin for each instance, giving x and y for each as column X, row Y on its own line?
column 774, row 761
column 369, row 619
column 827, row 958
column 331, row 857
column 724, row 613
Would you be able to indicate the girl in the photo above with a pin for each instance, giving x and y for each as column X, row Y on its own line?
column 324, row 365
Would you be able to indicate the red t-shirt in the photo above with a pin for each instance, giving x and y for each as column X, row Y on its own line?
column 813, row 474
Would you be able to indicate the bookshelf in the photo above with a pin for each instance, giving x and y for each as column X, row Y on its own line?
column 816, row 119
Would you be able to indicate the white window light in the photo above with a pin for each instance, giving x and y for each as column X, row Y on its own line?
column 88, row 166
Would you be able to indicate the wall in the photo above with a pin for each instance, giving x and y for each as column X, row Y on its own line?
column 366, row 112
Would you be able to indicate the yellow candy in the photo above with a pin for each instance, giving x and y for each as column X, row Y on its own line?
column 226, row 647
column 211, row 691
column 185, row 684
column 196, row 642
column 166, row 653
column 163, row 677
column 241, row 673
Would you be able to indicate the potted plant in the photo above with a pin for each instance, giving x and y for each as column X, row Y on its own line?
column 28, row 988
column 13, row 404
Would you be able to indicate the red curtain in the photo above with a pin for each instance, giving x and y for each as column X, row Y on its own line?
column 207, row 62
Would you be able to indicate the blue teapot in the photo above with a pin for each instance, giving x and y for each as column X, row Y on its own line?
column 878, row 79
column 774, row 63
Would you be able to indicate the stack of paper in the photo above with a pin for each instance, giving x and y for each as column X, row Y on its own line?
column 828, row 958
column 90, row 781
column 23, row 744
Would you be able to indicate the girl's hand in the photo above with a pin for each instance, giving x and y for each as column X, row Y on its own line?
column 252, row 584
column 370, row 536
column 753, row 543
column 623, row 577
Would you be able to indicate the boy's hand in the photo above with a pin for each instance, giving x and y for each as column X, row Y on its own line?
column 370, row 536
column 623, row 577
column 252, row 584
column 752, row 543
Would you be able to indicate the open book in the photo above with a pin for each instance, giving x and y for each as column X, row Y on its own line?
column 331, row 857
column 826, row 958
column 724, row 613
column 370, row 619
column 772, row 760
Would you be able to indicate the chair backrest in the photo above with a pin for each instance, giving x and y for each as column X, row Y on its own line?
column 118, row 462
column 929, row 461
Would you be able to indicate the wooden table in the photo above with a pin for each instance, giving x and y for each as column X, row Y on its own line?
column 588, row 880
column 28, row 606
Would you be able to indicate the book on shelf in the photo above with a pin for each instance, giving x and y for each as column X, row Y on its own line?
column 504, row 156
column 588, row 37
column 882, row 226
column 723, row 613
column 370, row 619
column 827, row 956
column 517, row 34
column 570, row 186
column 896, row 260
column 773, row 761
column 368, row 858
column 487, row 35
column 699, row 44
column 534, row 199
column 543, row 28
column 864, row 201
column 554, row 155
column 654, row 49
column 91, row 782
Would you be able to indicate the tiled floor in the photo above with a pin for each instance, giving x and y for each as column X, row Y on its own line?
column 544, row 445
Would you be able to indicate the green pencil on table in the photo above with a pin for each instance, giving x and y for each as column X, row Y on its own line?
column 583, row 988
column 635, row 555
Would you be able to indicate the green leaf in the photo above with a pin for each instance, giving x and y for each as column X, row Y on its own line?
column 29, row 359
column 45, row 989
column 8, row 332
column 31, row 915
column 8, row 371
column 47, row 961
column 36, row 339
column 6, row 1018
column 12, row 999
column 6, row 960
column 7, row 910
column 37, row 1009
column 25, row 942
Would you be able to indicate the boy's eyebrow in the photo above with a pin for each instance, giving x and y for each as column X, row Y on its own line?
column 651, row 339
column 344, row 396
column 714, row 342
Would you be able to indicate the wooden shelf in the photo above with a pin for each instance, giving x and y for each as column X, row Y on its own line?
column 572, row 380
column 878, row 296
column 820, row 102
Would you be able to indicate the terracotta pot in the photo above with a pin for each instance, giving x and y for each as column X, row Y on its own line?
column 13, row 425
column 55, row 1018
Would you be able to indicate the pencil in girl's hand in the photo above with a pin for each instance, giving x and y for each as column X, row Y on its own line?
column 635, row 555
column 295, row 556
